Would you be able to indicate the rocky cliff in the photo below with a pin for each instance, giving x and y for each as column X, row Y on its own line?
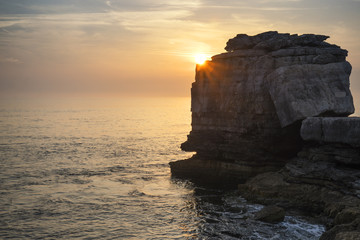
column 271, row 114
column 248, row 103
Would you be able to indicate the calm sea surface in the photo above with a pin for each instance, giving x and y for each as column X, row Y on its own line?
column 98, row 169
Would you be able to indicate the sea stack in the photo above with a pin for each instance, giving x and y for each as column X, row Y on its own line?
column 248, row 104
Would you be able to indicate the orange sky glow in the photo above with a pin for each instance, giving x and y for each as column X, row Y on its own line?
column 148, row 47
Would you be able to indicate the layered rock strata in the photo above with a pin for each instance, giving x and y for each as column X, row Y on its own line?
column 324, row 178
column 332, row 130
column 248, row 103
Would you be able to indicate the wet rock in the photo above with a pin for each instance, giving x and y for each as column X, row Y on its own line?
column 270, row 214
column 308, row 191
column 347, row 215
column 314, row 186
column 344, row 231
column 269, row 183
column 349, row 235
column 211, row 171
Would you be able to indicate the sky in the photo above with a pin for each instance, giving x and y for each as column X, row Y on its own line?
column 147, row 47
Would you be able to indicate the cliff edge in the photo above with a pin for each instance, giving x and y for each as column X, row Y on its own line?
column 271, row 114
column 248, row 103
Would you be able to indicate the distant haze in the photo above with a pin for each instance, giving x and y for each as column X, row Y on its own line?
column 147, row 47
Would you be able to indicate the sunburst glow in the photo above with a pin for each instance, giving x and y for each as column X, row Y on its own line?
column 200, row 58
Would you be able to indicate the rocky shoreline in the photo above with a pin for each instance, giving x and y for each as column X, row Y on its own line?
column 271, row 115
column 324, row 179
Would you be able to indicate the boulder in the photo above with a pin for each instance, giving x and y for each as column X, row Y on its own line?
column 270, row 214
column 300, row 91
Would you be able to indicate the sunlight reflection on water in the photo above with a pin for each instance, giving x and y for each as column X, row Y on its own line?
column 99, row 169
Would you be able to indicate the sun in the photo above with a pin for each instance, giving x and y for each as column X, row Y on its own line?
column 200, row 58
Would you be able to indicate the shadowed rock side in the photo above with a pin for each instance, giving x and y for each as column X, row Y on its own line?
column 332, row 130
column 323, row 179
column 248, row 103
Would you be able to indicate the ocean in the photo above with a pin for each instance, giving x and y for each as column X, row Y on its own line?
column 97, row 168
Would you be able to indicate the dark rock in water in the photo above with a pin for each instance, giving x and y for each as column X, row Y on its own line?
column 314, row 186
column 271, row 214
column 348, row 231
column 213, row 172
column 312, row 195
column 247, row 104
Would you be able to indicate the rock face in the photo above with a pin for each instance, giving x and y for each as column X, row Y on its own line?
column 315, row 195
column 306, row 90
column 248, row 103
column 332, row 140
column 324, row 178
column 272, row 111
column 332, row 130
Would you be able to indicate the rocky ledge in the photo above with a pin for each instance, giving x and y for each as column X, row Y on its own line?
column 271, row 114
column 323, row 179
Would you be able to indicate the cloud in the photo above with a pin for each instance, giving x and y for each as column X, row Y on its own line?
column 279, row 1
column 47, row 7
column 149, row 24
column 95, row 50
column 10, row 60
column 84, row 42
column 89, row 6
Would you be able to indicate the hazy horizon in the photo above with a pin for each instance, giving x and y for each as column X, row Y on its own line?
column 147, row 47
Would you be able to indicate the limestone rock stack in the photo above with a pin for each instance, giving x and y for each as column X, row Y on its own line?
column 248, row 103
column 272, row 111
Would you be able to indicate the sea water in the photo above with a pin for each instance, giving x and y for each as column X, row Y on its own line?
column 98, row 169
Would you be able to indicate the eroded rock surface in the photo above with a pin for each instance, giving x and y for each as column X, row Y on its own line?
column 272, row 112
column 300, row 91
column 305, row 75
column 273, row 41
column 332, row 130
column 248, row 103
column 323, row 179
